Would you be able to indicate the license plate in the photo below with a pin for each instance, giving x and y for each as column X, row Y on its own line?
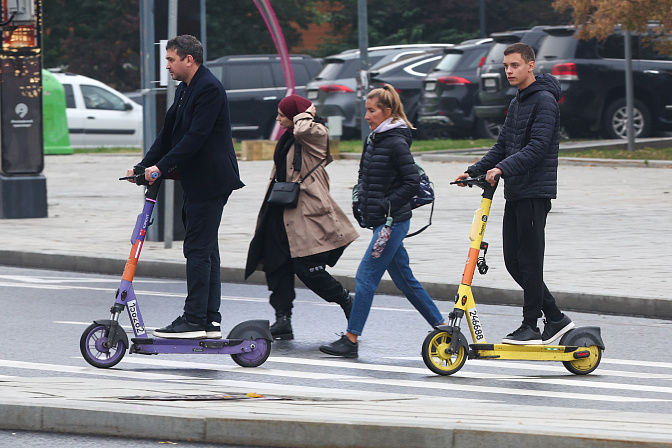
column 430, row 86
column 312, row 94
column 489, row 83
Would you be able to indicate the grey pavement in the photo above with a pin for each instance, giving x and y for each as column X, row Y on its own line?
column 607, row 251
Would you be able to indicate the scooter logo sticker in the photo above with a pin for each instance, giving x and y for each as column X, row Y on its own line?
column 133, row 312
column 464, row 300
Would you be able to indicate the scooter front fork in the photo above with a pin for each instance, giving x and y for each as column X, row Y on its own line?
column 455, row 319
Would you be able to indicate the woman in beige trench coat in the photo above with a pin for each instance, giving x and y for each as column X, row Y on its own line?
column 300, row 241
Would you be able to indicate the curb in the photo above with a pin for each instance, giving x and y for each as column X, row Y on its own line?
column 592, row 303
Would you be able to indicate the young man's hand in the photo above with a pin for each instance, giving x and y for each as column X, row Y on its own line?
column 493, row 176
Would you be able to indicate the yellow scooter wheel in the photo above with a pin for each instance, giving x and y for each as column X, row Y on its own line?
column 586, row 365
column 435, row 356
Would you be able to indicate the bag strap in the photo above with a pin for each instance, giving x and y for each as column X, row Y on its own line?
column 423, row 229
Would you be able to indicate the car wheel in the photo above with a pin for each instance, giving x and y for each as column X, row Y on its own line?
column 615, row 122
column 487, row 128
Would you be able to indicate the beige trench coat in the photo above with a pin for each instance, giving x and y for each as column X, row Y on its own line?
column 317, row 224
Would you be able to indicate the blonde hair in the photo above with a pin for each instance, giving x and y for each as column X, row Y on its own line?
column 387, row 97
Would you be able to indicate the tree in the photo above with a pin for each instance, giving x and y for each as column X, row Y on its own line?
column 596, row 18
column 95, row 38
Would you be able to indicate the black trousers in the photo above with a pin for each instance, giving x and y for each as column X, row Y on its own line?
column 524, row 242
column 312, row 271
column 201, row 221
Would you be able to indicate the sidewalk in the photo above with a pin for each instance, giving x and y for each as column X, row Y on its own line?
column 607, row 244
column 607, row 251
column 303, row 418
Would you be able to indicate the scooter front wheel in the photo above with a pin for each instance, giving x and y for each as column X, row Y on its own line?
column 262, row 349
column 93, row 345
column 436, row 357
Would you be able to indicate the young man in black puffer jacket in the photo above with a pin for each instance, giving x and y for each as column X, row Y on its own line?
column 526, row 157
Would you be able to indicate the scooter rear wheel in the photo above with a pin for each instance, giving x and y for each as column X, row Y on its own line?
column 435, row 356
column 585, row 366
column 262, row 349
column 93, row 349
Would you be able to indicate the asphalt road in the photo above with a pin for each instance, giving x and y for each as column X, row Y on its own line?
column 45, row 312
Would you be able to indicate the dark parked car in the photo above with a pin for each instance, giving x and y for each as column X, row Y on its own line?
column 406, row 76
column 255, row 84
column 592, row 75
column 450, row 92
column 495, row 92
column 334, row 89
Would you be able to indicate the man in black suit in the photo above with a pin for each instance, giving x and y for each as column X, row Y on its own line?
column 196, row 142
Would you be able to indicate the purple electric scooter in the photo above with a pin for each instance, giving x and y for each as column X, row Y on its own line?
column 104, row 343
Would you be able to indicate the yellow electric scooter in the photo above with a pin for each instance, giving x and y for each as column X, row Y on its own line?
column 445, row 349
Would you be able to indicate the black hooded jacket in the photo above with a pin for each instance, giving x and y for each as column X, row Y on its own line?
column 388, row 177
column 527, row 147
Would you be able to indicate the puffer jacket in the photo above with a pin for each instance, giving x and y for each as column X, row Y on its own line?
column 388, row 177
column 527, row 147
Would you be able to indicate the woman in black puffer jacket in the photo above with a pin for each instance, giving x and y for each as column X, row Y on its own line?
column 388, row 180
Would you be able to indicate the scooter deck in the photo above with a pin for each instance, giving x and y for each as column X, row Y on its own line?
column 153, row 346
column 528, row 352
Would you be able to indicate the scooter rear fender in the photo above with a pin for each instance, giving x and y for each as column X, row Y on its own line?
column 252, row 329
column 583, row 337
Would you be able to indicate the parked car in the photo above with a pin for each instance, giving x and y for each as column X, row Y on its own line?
column 334, row 89
column 98, row 115
column 495, row 92
column 255, row 84
column 592, row 76
column 450, row 92
column 406, row 76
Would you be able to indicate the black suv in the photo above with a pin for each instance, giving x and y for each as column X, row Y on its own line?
column 450, row 92
column 495, row 92
column 255, row 85
column 592, row 75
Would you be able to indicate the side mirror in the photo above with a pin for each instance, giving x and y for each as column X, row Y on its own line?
column 128, row 106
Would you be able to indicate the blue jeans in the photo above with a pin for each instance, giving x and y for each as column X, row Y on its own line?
column 394, row 260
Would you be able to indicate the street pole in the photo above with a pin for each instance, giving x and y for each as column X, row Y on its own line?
column 169, row 187
column 629, row 95
column 482, row 18
column 362, row 27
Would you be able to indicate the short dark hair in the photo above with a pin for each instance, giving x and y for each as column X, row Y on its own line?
column 185, row 45
column 526, row 52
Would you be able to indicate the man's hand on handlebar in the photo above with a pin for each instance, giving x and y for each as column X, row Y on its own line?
column 493, row 175
column 459, row 178
column 152, row 173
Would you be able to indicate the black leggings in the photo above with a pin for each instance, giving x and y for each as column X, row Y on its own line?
column 312, row 271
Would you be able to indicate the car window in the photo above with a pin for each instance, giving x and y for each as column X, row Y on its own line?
column 69, row 96
column 249, row 76
column 98, row 98
column 340, row 69
column 449, row 62
column 557, row 47
column 496, row 53
column 473, row 59
column 613, row 47
column 421, row 68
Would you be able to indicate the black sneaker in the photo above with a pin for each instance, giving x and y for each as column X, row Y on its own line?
column 343, row 347
column 525, row 335
column 213, row 330
column 554, row 330
column 181, row 328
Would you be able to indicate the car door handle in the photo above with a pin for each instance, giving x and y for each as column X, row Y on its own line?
column 90, row 118
column 270, row 98
column 652, row 72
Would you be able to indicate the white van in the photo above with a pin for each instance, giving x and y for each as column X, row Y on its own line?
column 98, row 115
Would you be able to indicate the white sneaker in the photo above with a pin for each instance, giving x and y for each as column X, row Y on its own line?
column 213, row 330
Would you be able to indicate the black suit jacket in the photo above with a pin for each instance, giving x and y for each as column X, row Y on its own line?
column 196, row 140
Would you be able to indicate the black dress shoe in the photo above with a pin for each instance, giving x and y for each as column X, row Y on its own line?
column 343, row 347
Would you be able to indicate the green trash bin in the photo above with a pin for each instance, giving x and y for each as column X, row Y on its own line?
column 56, row 133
